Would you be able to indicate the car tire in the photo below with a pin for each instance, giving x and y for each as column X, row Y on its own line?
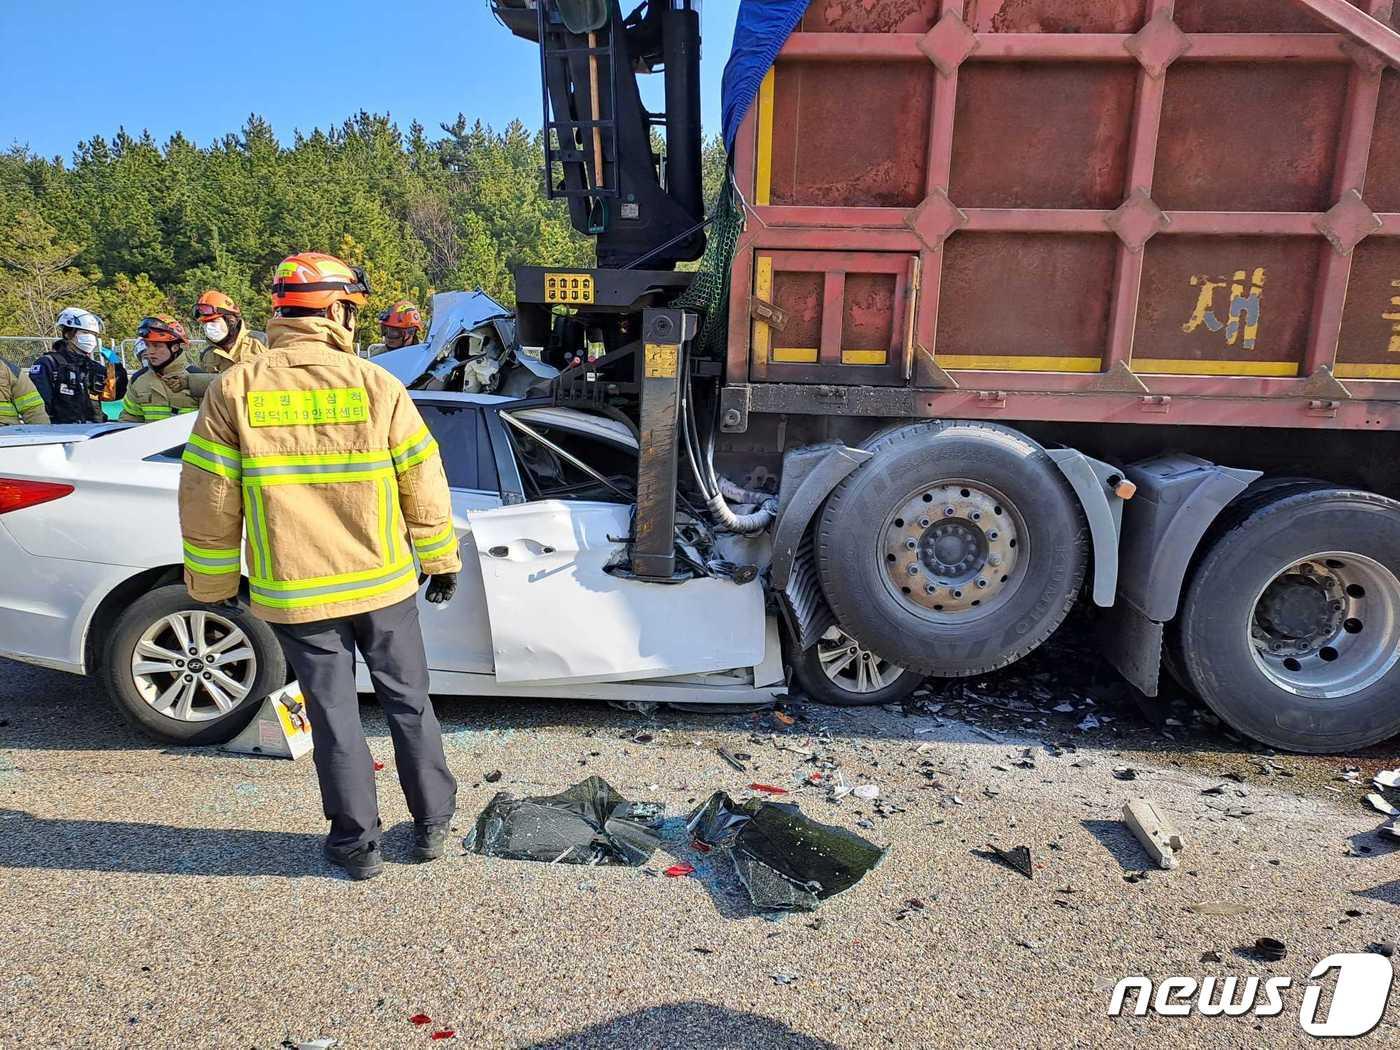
column 1290, row 628
column 838, row 670
column 238, row 659
column 969, row 493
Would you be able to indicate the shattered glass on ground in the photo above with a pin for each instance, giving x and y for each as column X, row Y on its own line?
column 590, row 823
column 785, row 860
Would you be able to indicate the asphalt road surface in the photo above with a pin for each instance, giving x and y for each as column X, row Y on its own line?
column 159, row 897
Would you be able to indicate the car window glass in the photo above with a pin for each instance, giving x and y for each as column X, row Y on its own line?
column 466, row 450
column 550, row 475
column 171, row 455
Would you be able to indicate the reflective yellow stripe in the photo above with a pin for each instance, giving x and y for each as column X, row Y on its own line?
column 204, row 461
column 402, row 448
column 133, row 407
column 29, row 400
column 315, row 458
column 320, row 477
column 438, row 543
column 8, row 410
column 211, row 561
column 157, row 411
column 328, row 590
column 442, row 549
column 214, row 448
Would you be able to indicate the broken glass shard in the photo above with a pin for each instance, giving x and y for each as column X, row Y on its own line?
column 590, row 823
column 784, row 859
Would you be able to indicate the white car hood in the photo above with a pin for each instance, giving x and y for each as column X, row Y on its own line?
column 454, row 314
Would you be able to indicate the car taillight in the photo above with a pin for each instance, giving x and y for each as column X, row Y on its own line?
column 16, row 493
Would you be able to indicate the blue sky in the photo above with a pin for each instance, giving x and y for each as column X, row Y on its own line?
column 78, row 68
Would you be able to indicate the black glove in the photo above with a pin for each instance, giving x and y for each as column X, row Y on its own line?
column 441, row 587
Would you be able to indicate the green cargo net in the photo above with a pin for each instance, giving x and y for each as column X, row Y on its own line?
column 708, row 294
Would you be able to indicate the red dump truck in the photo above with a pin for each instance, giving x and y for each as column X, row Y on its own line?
column 1011, row 304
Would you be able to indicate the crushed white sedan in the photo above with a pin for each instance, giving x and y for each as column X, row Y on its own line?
column 542, row 503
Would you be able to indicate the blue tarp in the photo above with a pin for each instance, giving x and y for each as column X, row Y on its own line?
column 760, row 32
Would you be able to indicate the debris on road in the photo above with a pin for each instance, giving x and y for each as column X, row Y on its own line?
column 312, row 1044
column 1391, row 831
column 1211, row 957
column 1017, row 858
column 779, row 977
column 1155, row 831
column 733, row 760
column 492, row 777
column 1270, row 949
column 675, row 871
column 1090, row 722
column 1217, row 908
column 868, row 792
column 1380, row 805
column 1125, row 773
column 1387, row 778
column 590, row 823
column 785, row 860
column 768, row 789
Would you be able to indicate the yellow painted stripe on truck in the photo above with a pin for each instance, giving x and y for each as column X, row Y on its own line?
column 795, row 355
column 763, row 289
column 1184, row 367
column 763, row 177
column 1367, row 372
column 1016, row 363
column 865, row 357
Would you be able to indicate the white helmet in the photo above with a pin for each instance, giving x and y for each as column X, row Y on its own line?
column 77, row 318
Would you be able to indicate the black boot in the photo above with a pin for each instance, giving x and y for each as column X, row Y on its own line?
column 429, row 841
column 362, row 862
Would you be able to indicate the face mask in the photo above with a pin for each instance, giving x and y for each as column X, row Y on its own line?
column 86, row 342
column 216, row 331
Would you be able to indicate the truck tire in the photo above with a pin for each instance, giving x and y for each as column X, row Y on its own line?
column 1259, row 494
column 1290, row 629
column 179, row 697
column 838, row 670
column 956, row 550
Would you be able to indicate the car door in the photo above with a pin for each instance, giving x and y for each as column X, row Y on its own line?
column 558, row 614
column 457, row 634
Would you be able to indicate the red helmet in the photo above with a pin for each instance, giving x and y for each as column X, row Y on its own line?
column 403, row 314
column 212, row 303
column 162, row 329
column 316, row 281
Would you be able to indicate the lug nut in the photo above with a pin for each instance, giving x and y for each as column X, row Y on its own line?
column 189, row 678
column 194, row 652
column 205, row 675
column 992, row 535
column 948, row 512
column 913, row 570
column 924, row 523
column 911, row 544
column 981, row 583
column 994, row 560
column 179, row 663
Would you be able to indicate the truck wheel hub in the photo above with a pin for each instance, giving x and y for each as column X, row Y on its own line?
column 1327, row 626
column 951, row 548
column 1297, row 607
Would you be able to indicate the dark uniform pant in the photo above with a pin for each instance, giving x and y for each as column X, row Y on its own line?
column 322, row 655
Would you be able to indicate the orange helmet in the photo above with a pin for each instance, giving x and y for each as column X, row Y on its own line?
column 161, row 329
column 316, row 281
column 212, row 303
column 403, row 314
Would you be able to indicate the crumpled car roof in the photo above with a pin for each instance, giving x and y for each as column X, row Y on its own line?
column 454, row 315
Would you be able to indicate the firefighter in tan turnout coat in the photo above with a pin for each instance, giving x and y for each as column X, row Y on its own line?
column 324, row 461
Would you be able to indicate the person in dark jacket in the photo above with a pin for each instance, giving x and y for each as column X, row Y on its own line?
column 71, row 377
